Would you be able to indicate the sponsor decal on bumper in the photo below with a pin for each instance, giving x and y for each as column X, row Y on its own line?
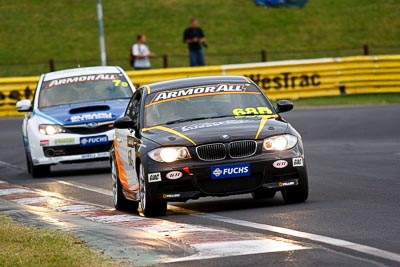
column 154, row 177
column 277, row 185
column 230, row 170
column 93, row 140
column 175, row 195
column 289, row 183
column 298, row 162
column 64, row 141
column 95, row 155
column 174, row 175
column 44, row 142
column 279, row 164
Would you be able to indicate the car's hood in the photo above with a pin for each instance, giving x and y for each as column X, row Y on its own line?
column 87, row 112
column 215, row 130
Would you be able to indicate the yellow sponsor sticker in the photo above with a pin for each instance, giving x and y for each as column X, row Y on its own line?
column 64, row 141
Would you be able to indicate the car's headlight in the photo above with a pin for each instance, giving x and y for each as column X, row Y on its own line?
column 280, row 142
column 50, row 129
column 169, row 154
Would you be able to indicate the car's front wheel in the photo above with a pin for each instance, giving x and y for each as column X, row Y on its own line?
column 149, row 207
column 297, row 194
column 119, row 200
column 28, row 162
column 39, row 171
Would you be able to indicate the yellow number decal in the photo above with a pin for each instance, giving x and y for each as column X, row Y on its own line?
column 245, row 112
column 118, row 82
column 251, row 111
column 264, row 110
column 238, row 112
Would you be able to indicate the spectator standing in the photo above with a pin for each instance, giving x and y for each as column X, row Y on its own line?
column 141, row 53
column 195, row 39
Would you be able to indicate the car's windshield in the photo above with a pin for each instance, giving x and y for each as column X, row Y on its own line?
column 83, row 88
column 207, row 101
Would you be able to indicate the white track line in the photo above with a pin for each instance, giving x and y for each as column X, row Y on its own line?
column 85, row 187
column 11, row 165
column 236, row 248
column 319, row 238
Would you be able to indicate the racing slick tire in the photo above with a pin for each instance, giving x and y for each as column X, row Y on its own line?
column 296, row 194
column 119, row 200
column 39, row 171
column 28, row 162
column 149, row 207
column 263, row 193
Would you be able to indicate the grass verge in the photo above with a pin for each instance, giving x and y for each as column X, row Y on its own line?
column 26, row 246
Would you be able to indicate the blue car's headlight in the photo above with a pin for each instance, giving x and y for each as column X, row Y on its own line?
column 279, row 142
column 50, row 129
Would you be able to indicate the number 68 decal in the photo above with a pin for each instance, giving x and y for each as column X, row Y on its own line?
column 238, row 112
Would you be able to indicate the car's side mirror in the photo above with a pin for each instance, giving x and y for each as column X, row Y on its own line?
column 124, row 123
column 283, row 106
column 24, row 105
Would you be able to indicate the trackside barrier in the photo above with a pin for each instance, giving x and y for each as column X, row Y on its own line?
column 280, row 79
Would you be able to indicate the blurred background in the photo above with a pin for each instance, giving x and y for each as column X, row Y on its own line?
column 40, row 35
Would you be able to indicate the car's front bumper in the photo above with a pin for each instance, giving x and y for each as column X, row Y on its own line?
column 69, row 148
column 197, row 180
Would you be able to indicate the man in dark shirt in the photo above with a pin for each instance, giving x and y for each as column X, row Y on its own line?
column 195, row 39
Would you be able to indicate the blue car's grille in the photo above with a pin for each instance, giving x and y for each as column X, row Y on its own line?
column 85, row 129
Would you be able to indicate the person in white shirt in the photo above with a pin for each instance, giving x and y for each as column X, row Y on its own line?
column 141, row 54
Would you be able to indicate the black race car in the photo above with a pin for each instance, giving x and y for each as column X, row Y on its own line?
column 206, row 136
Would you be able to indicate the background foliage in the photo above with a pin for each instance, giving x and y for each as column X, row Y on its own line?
column 34, row 31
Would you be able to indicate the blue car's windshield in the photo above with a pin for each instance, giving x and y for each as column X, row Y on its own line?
column 84, row 88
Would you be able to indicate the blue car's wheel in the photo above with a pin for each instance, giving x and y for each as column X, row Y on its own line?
column 39, row 171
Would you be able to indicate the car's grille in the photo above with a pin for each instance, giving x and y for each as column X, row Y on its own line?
column 85, row 129
column 219, row 151
column 57, row 151
column 241, row 149
column 230, row 185
column 211, row 152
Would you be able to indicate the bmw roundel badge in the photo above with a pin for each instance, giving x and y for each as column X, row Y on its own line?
column 225, row 136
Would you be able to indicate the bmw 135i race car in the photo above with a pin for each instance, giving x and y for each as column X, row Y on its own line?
column 71, row 116
column 205, row 136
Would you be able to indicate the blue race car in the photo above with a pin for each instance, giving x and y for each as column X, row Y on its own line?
column 71, row 116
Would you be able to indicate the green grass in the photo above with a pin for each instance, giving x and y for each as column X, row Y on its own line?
column 364, row 99
column 26, row 246
column 34, row 31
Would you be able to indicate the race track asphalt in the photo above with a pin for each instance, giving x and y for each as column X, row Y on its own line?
column 353, row 160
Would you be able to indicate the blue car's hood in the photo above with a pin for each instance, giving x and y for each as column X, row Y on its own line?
column 87, row 112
